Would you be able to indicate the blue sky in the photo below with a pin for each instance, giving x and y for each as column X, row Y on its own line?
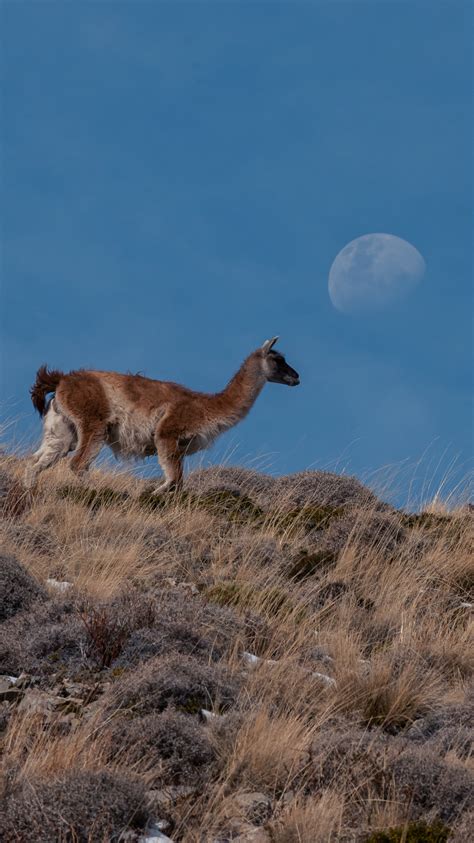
column 178, row 178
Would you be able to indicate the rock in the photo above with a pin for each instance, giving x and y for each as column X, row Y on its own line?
column 252, row 660
column 207, row 715
column 326, row 680
column 189, row 586
column 320, row 655
column 68, row 705
column 59, row 585
column 9, row 690
column 40, row 702
column 256, row 807
column 163, row 797
column 170, row 581
column 154, row 832
column 251, row 834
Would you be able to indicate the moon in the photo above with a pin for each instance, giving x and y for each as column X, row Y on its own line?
column 374, row 272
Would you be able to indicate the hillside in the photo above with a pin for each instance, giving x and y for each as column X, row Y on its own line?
column 275, row 660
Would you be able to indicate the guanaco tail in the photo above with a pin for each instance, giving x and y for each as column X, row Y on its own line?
column 137, row 416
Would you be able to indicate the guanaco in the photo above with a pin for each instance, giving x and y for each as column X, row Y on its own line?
column 138, row 417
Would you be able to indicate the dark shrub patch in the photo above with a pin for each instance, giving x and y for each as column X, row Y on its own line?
column 235, row 506
column 80, row 807
column 18, row 589
column 149, row 500
column 427, row 520
column 34, row 539
column 417, row 832
column 273, row 602
column 14, row 499
column 308, row 519
column 172, row 745
column 309, row 563
column 447, row 728
column 92, row 498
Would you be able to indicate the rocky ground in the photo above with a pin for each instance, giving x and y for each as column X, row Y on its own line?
column 276, row 660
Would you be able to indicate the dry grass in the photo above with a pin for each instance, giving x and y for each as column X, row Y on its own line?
column 359, row 613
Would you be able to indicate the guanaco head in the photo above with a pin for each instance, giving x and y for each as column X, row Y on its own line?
column 275, row 366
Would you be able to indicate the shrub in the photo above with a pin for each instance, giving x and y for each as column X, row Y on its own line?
column 321, row 488
column 372, row 765
column 308, row 563
column 105, row 634
column 181, row 625
column 350, row 760
column 172, row 746
column 33, row 539
column 365, row 530
column 175, row 681
column 432, row 785
column 18, row 589
column 272, row 602
column 309, row 519
column 255, row 484
column 445, row 729
column 92, row 498
column 14, row 500
column 47, row 637
column 233, row 505
column 81, row 806
column 415, row 832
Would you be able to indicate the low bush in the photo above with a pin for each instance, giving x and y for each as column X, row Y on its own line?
column 431, row 785
column 173, row 747
column 81, row 806
column 271, row 602
column 92, row 498
column 46, row 638
column 321, row 488
column 415, row 832
column 174, row 681
column 18, row 589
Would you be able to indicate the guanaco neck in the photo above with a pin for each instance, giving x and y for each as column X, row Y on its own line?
column 235, row 401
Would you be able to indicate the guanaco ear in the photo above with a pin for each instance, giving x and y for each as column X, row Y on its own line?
column 268, row 344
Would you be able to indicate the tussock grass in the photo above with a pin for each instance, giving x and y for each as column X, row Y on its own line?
column 353, row 724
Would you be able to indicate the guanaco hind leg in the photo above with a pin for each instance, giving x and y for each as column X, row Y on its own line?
column 171, row 462
column 59, row 438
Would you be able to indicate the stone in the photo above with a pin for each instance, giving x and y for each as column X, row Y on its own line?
column 154, row 832
column 166, row 796
column 207, row 716
column 326, row 680
column 154, row 835
column 40, row 702
column 251, row 834
column 9, row 690
column 252, row 660
column 58, row 585
column 256, row 807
